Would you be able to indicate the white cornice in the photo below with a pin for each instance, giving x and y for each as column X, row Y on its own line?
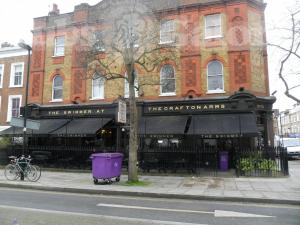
column 12, row 52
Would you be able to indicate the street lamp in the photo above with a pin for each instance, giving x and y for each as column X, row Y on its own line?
column 27, row 47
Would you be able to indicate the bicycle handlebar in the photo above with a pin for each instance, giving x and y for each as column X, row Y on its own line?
column 17, row 159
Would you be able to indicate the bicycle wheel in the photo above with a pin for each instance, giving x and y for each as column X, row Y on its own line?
column 11, row 172
column 31, row 173
column 38, row 172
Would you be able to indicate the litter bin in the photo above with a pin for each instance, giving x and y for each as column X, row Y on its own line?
column 106, row 166
column 223, row 156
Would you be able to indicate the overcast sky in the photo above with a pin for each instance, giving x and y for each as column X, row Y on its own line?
column 16, row 22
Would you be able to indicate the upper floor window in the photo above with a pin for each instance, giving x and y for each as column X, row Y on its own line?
column 213, row 26
column 98, row 41
column 215, row 79
column 14, row 104
column 59, row 46
column 167, row 80
column 98, row 87
column 16, row 75
column 57, row 88
column 167, row 31
column 136, row 85
column 1, row 74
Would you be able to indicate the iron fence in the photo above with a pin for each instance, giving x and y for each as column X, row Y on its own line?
column 264, row 162
column 179, row 160
column 203, row 161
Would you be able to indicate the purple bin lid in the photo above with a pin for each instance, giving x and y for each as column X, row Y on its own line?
column 107, row 155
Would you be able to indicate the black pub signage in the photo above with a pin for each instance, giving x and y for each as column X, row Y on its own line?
column 185, row 108
column 64, row 112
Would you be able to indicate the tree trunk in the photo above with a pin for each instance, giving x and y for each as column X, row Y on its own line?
column 133, row 135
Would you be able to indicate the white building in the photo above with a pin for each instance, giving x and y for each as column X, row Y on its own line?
column 290, row 122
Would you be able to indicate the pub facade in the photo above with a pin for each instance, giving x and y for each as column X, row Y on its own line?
column 217, row 98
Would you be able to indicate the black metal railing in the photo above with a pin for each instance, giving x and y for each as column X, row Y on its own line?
column 179, row 160
column 263, row 162
column 203, row 161
column 68, row 157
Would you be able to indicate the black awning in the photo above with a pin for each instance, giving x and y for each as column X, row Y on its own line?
column 46, row 126
column 12, row 131
column 227, row 125
column 82, row 126
column 162, row 125
column 62, row 127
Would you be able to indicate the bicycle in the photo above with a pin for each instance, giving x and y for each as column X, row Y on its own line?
column 20, row 168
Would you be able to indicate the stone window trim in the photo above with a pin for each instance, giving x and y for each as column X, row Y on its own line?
column 167, row 32
column 210, row 26
column 59, row 46
column 16, row 77
column 57, row 88
column 11, row 107
column 167, row 77
column 215, row 74
column 1, row 75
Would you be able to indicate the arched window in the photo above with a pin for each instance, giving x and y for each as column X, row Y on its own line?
column 57, row 88
column 126, row 85
column 167, row 80
column 98, row 86
column 215, row 81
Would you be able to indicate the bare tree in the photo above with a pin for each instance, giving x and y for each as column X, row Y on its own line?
column 129, row 38
column 289, row 47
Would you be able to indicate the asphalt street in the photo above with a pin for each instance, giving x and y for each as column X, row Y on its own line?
column 47, row 208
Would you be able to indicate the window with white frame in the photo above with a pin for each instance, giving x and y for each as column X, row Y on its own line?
column 215, row 79
column 16, row 74
column 59, row 46
column 167, row 80
column 126, row 85
column 213, row 26
column 98, row 87
column 1, row 74
column 14, row 104
column 57, row 88
column 167, row 31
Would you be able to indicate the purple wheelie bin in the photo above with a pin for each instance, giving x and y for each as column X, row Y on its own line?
column 223, row 161
column 106, row 166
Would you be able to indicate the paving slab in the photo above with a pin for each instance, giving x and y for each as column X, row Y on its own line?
column 265, row 190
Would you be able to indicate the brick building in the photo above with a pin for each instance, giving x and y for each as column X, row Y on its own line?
column 13, row 67
column 218, row 92
column 237, row 43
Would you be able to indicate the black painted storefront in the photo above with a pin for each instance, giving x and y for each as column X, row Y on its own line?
column 222, row 123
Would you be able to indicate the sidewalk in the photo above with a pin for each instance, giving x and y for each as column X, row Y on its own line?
column 262, row 190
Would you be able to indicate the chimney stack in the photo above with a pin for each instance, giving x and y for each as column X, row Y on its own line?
column 55, row 10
